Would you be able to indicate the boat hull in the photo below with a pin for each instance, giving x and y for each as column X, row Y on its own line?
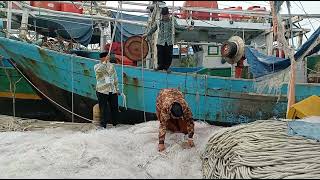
column 82, row 105
column 213, row 99
column 26, row 102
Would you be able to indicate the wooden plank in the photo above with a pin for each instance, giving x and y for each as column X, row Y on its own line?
column 20, row 96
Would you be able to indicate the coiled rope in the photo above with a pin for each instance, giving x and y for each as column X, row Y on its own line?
column 261, row 149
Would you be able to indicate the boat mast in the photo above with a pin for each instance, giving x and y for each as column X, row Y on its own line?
column 290, row 23
column 173, row 20
column 24, row 24
column 150, row 54
column 289, row 52
column 9, row 17
column 153, row 41
column 101, row 26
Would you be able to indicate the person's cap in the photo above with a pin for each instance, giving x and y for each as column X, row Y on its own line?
column 103, row 54
column 176, row 110
column 164, row 11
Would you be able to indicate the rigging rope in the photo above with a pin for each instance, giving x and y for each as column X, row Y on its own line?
column 205, row 95
column 72, row 88
column 114, row 29
column 173, row 21
column 302, row 8
column 142, row 75
column 124, row 98
column 197, row 96
column 260, row 150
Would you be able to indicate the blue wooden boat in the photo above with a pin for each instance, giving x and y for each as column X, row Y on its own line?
column 213, row 99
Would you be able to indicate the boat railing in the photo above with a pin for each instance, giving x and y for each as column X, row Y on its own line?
column 34, row 11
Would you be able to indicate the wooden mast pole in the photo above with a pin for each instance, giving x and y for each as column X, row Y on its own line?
column 289, row 52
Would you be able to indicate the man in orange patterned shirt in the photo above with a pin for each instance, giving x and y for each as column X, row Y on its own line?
column 174, row 114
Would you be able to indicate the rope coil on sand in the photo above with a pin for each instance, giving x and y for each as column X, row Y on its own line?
column 261, row 149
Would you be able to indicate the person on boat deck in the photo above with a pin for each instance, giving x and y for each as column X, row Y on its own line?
column 164, row 43
column 174, row 114
column 107, row 90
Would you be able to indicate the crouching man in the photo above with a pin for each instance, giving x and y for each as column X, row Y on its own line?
column 174, row 114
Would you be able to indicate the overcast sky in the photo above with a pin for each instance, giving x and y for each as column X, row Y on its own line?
column 311, row 7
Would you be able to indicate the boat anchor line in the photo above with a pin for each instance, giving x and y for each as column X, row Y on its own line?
column 48, row 96
column 124, row 98
column 142, row 74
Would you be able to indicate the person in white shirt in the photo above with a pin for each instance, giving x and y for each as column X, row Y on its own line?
column 107, row 90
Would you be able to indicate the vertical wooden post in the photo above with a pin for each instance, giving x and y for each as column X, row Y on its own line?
column 102, row 37
column 274, row 20
column 289, row 53
column 173, row 21
column 24, row 23
column 155, row 37
column 300, row 38
column 9, row 17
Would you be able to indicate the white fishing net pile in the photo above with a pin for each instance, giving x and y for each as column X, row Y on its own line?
column 9, row 123
column 272, row 83
column 123, row 152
